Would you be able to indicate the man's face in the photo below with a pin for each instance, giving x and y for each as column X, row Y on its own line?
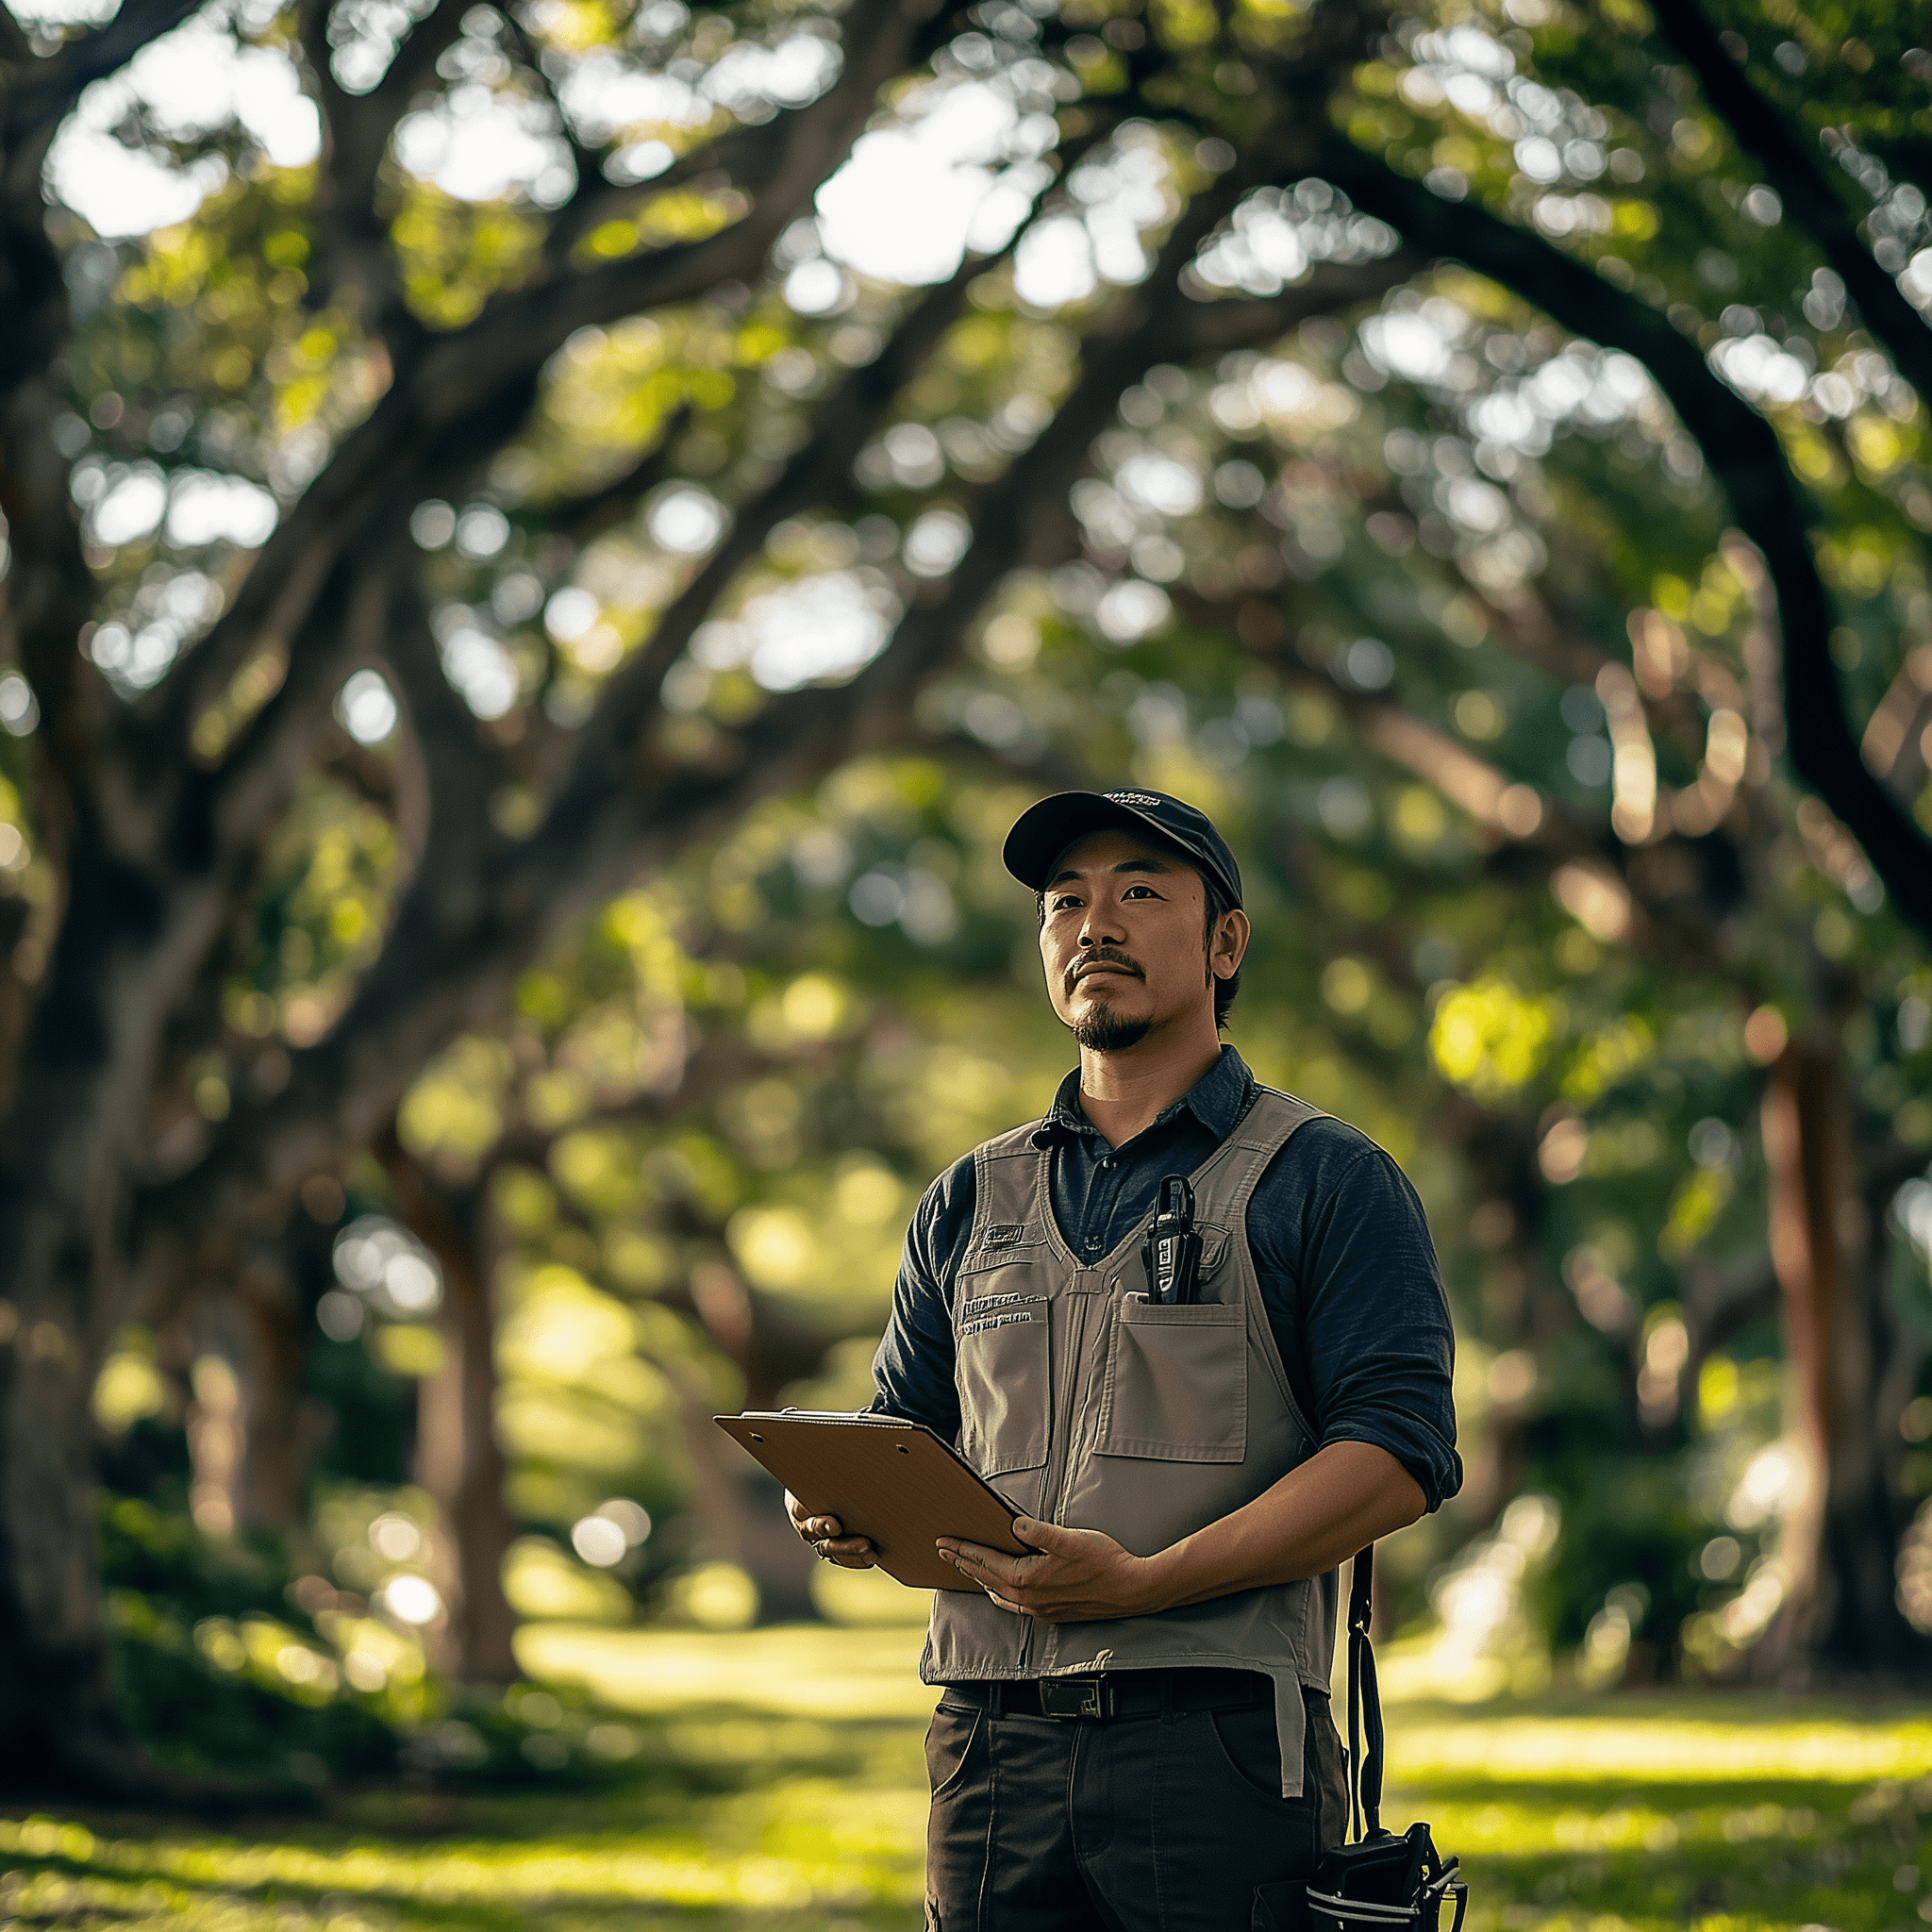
column 1121, row 941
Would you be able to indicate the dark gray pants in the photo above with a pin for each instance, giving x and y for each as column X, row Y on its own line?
column 1158, row 1824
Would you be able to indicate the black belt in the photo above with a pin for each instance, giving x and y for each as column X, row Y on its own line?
column 1114, row 1693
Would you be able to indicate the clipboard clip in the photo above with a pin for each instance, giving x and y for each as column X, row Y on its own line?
column 1171, row 1251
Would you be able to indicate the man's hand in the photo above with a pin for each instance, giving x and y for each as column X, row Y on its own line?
column 1076, row 1576
column 1320, row 1513
column 827, row 1534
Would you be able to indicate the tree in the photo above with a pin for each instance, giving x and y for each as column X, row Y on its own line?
column 157, row 809
column 572, row 360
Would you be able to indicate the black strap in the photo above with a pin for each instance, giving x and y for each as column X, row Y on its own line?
column 1364, row 1702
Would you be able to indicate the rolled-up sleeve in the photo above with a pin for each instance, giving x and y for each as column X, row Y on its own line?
column 1376, row 1347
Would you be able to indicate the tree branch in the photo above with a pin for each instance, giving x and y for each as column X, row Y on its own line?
column 415, row 60
column 489, row 367
column 52, row 85
column 463, row 772
column 723, row 1060
column 821, row 469
column 363, row 774
column 1212, row 328
column 609, row 746
column 343, row 626
column 593, row 195
column 752, row 155
column 1893, row 734
column 458, row 941
column 1743, row 451
column 581, row 518
column 351, row 235
column 1533, row 836
column 1806, row 191
column 14, row 45
column 1720, row 1300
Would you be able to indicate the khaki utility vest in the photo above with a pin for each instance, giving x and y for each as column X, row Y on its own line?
column 1084, row 1403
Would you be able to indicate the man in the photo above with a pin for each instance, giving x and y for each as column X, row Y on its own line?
column 1134, row 1731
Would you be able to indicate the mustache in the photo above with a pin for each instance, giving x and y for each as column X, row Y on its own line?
column 1100, row 956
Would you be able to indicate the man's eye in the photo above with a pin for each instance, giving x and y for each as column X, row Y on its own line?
column 1065, row 899
column 1141, row 892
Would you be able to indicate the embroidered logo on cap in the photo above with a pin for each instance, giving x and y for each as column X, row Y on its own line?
column 1133, row 798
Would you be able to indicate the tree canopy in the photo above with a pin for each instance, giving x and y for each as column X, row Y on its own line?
column 546, row 544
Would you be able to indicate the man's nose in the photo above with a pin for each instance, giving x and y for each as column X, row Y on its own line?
column 1101, row 928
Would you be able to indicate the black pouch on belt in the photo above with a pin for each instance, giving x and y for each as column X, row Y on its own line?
column 1380, row 1882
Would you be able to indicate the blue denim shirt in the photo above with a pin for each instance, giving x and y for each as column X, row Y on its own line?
column 1348, row 1269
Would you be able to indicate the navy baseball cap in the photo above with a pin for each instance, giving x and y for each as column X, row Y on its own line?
column 1043, row 831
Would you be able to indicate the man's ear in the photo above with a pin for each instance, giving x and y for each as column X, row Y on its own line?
column 1230, row 945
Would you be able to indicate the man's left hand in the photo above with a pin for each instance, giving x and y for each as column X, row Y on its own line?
column 1075, row 1576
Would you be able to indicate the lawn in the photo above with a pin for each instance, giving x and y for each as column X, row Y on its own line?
column 780, row 1786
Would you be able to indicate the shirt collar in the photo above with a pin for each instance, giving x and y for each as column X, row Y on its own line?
column 1217, row 1100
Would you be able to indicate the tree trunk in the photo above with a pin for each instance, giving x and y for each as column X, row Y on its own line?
column 63, row 1152
column 57, row 1694
column 461, row 1464
column 1841, row 1541
column 458, row 1460
column 283, row 1429
column 738, row 1501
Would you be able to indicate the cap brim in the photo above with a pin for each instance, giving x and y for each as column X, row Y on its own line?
column 1043, row 831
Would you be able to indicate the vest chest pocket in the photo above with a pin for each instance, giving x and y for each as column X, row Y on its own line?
column 1003, row 1368
column 1177, row 1382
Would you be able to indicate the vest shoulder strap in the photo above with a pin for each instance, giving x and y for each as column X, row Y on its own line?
column 1006, row 1182
column 1274, row 1117
column 1270, row 1121
column 1014, row 1141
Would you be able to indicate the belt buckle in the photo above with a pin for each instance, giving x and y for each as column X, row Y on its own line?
column 1072, row 1697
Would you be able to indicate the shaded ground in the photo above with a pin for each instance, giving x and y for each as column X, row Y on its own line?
column 781, row 1787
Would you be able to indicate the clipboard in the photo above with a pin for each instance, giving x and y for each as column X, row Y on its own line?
column 892, row 1481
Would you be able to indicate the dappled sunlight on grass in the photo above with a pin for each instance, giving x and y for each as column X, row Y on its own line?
column 779, row 1845
column 794, row 1668
column 1665, row 1740
column 1723, row 1858
column 781, row 1787
column 1654, row 1810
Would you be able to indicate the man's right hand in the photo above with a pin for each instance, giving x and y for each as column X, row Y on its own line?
column 827, row 1534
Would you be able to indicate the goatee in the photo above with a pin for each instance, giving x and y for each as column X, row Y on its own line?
column 1102, row 1030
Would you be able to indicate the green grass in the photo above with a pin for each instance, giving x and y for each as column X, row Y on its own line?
column 782, row 1787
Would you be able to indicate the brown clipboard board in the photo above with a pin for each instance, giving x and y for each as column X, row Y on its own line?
column 892, row 1481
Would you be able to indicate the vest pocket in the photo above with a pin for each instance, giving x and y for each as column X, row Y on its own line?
column 1177, row 1382
column 1004, row 1372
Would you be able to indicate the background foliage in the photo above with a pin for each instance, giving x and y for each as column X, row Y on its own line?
column 1438, row 609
